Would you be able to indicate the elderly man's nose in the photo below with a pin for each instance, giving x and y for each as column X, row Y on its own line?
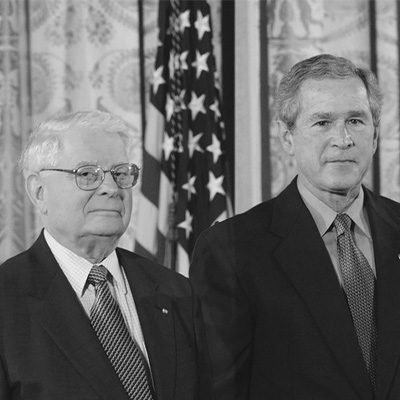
column 109, row 183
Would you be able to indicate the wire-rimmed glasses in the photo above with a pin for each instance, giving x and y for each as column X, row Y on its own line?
column 90, row 177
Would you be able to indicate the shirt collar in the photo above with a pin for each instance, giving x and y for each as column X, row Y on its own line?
column 324, row 216
column 77, row 268
column 112, row 264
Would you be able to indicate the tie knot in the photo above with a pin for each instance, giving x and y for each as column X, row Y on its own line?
column 342, row 224
column 97, row 275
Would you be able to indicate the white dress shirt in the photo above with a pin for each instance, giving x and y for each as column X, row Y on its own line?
column 77, row 269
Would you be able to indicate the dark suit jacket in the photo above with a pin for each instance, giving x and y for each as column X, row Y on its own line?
column 277, row 321
column 49, row 351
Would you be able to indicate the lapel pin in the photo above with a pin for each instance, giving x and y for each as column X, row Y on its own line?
column 164, row 311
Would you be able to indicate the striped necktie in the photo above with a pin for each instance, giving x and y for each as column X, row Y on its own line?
column 359, row 285
column 108, row 323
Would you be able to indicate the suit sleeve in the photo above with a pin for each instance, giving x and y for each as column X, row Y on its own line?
column 227, row 315
column 4, row 386
column 205, row 390
column 5, row 390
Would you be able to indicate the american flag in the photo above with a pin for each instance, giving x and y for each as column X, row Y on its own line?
column 184, row 181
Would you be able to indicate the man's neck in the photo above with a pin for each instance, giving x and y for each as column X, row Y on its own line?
column 337, row 201
column 92, row 248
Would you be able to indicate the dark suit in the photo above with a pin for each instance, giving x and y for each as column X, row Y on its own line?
column 49, row 351
column 277, row 320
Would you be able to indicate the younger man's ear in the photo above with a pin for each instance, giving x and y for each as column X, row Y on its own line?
column 286, row 137
column 36, row 191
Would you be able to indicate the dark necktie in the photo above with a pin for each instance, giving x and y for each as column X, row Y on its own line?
column 109, row 325
column 359, row 285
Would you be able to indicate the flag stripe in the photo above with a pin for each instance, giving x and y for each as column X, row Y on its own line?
column 147, row 219
column 164, row 202
column 151, row 178
column 187, row 147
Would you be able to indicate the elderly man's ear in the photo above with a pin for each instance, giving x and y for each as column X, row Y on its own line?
column 36, row 191
column 286, row 137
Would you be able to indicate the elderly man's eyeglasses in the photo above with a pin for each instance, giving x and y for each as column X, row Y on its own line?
column 90, row 177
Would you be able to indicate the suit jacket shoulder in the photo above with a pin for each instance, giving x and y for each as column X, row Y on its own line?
column 387, row 209
column 259, row 229
column 31, row 270
column 148, row 270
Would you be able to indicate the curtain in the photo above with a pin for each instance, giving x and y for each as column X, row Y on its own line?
column 16, row 215
column 65, row 55
column 275, row 34
column 61, row 56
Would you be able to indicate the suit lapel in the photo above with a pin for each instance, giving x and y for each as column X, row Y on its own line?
column 386, row 250
column 156, row 315
column 314, row 278
column 57, row 309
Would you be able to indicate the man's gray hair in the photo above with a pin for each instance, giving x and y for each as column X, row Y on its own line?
column 46, row 139
column 323, row 66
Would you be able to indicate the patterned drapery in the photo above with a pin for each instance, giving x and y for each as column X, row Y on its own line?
column 64, row 55
column 16, row 214
column 288, row 31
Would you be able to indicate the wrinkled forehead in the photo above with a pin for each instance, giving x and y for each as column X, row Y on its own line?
column 333, row 85
column 349, row 93
column 93, row 144
column 333, row 99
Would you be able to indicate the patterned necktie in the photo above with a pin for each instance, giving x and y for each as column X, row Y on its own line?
column 359, row 285
column 108, row 323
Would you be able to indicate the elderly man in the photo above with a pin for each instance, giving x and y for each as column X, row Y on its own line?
column 301, row 294
column 79, row 317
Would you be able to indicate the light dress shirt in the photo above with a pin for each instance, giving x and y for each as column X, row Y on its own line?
column 324, row 216
column 77, row 269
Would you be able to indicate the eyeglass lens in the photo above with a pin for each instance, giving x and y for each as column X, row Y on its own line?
column 90, row 176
